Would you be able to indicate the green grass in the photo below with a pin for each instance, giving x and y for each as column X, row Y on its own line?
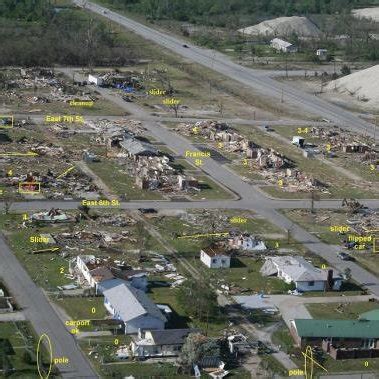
column 19, row 338
column 210, row 190
column 334, row 311
column 44, row 269
column 83, row 308
column 313, row 223
column 167, row 295
column 247, row 268
column 121, row 183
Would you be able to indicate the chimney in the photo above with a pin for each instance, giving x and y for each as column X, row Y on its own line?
column 329, row 281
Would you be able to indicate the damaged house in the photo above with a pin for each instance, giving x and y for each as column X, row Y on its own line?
column 303, row 274
column 97, row 271
column 132, row 306
column 246, row 242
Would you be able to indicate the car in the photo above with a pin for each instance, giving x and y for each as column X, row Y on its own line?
column 147, row 210
column 186, row 46
column 345, row 257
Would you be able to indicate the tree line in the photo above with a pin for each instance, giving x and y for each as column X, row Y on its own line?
column 203, row 10
column 32, row 33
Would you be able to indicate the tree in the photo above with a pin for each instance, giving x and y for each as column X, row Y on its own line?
column 203, row 305
column 197, row 347
column 345, row 70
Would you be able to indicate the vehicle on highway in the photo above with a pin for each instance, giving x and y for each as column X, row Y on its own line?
column 186, row 46
column 345, row 257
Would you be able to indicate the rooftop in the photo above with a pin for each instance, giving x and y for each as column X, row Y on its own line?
column 128, row 301
column 337, row 328
column 213, row 251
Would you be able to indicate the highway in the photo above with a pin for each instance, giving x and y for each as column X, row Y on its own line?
column 249, row 78
column 37, row 309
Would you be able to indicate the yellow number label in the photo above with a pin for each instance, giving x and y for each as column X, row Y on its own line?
column 61, row 270
column 276, row 245
column 366, row 363
column 116, row 341
column 245, row 162
column 372, row 167
column 280, row 183
column 93, row 310
column 328, row 147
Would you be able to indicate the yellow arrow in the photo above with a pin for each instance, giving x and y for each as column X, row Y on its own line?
column 66, row 172
column 15, row 154
column 204, row 235
column 52, row 249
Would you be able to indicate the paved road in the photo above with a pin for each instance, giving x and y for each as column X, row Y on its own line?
column 37, row 309
column 33, row 205
column 250, row 78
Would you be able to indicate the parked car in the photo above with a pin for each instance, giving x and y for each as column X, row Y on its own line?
column 345, row 257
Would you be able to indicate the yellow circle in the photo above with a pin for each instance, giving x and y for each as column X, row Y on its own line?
column 51, row 355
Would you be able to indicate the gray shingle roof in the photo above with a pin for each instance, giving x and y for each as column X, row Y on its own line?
column 130, row 302
column 135, row 147
column 171, row 336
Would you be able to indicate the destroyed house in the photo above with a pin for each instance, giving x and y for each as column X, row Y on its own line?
column 135, row 148
column 341, row 339
column 245, row 241
column 132, row 306
column 303, row 274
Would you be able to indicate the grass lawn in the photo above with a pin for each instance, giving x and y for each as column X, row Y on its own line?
column 121, row 183
column 319, row 223
column 167, row 295
column 18, row 338
column 210, row 190
column 44, row 269
column 340, row 311
column 213, row 222
column 244, row 273
column 83, row 308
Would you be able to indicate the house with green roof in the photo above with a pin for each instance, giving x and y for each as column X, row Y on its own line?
column 370, row 315
column 341, row 339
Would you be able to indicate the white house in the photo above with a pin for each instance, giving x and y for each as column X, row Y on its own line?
column 159, row 343
column 305, row 276
column 92, row 79
column 132, row 306
column 322, row 53
column 213, row 257
column 247, row 242
column 284, row 46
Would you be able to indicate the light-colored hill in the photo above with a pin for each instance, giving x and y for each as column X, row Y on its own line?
column 370, row 13
column 284, row 26
column 363, row 85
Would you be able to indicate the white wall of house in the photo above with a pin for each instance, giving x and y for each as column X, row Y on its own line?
column 310, row 286
column 144, row 350
column 81, row 265
column 218, row 261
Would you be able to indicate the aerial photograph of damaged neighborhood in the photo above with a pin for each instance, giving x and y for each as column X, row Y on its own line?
column 189, row 189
